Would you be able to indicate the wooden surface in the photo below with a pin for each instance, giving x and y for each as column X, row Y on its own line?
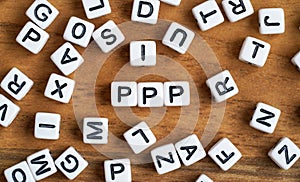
column 277, row 84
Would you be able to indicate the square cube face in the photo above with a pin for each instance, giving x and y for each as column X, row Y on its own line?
column 42, row 13
column 142, row 53
column 47, row 126
column 67, row 58
column 265, row 118
column 150, row 94
column 108, row 36
column 95, row 8
column 254, row 51
column 79, row 31
column 225, row 154
column 296, row 60
column 16, row 84
column 204, row 178
column 95, row 130
column 285, row 153
column 59, row 88
column 165, row 159
column 222, row 86
column 19, row 172
column 145, row 11
column 8, row 111
column 71, row 163
column 208, row 15
column 177, row 93
column 271, row 21
column 190, row 150
column 32, row 38
column 124, row 94
column 37, row 161
column 140, row 137
column 172, row 2
column 117, row 170
column 178, row 38
column 237, row 9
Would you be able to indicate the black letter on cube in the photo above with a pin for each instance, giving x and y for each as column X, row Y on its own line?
column 4, row 108
column 286, row 152
column 142, row 133
column 28, row 35
column 227, row 157
column 145, row 96
column 82, row 32
column 59, row 88
column 120, row 95
column 69, row 59
column 18, row 170
column 114, row 37
column 207, row 15
column 262, row 119
column 172, row 94
column 44, row 164
column 257, row 45
column 97, row 7
column 236, row 6
column 113, row 172
column 67, row 158
column 224, row 88
column 45, row 17
column 184, row 36
column 14, row 83
column 170, row 160
column 140, row 9
column 269, row 23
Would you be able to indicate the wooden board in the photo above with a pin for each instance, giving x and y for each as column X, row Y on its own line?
column 277, row 84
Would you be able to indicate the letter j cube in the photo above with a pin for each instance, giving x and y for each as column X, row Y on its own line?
column 222, row 86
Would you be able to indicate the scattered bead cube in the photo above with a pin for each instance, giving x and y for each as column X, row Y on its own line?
column 172, row 2
column 237, row 9
column 140, row 137
column 67, row 58
column 208, row 15
column 42, row 13
column 95, row 130
column 190, row 150
column 285, row 153
column 177, row 93
column 124, row 94
column 79, row 31
column 254, row 51
column 296, row 60
column 32, row 37
column 265, row 118
column 59, row 88
column 225, row 154
column 150, row 94
column 108, row 36
column 95, row 8
column 145, row 11
column 204, row 178
column 178, row 38
column 142, row 53
column 19, row 172
column 47, row 126
column 165, row 159
column 222, row 86
column 117, row 170
column 271, row 21
column 8, row 111
column 41, row 164
column 16, row 84
column 71, row 163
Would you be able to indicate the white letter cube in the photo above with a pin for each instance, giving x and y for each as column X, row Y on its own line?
column 95, row 8
column 225, row 154
column 237, row 9
column 47, row 126
column 32, row 37
column 16, row 84
column 178, row 38
column 145, row 11
column 172, row 2
column 108, row 36
column 140, row 137
column 285, row 153
column 165, row 159
column 254, row 51
column 208, row 15
column 59, row 88
column 42, row 13
column 190, row 150
column 95, row 130
column 41, row 164
column 296, row 60
column 271, row 21
column 142, row 53
column 8, row 111
column 222, row 86
column 177, row 93
column 79, row 31
column 265, row 118
column 150, row 94
column 71, row 163
column 204, row 178
column 67, row 58
column 124, row 94
column 117, row 170
column 19, row 172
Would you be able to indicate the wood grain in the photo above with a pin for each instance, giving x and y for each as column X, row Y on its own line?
column 277, row 84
